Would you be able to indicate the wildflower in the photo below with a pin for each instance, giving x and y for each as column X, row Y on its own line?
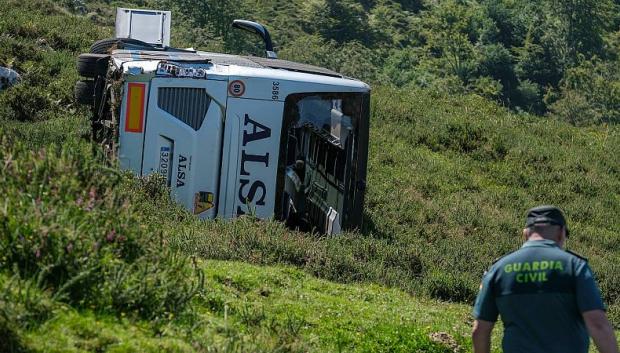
column 111, row 236
column 92, row 194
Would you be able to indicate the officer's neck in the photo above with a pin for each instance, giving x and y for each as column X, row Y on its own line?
column 538, row 237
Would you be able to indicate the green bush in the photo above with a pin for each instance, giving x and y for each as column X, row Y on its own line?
column 450, row 287
column 24, row 103
column 22, row 306
column 73, row 229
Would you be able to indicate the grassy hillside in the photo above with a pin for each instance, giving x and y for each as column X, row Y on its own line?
column 449, row 181
column 90, row 257
column 89, row 263
column 263, row 309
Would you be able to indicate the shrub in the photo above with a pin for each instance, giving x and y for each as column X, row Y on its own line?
column 74, row 229
column 22, row 305
column 487, row 87
column 529, row 97
column 450, row 287
column 11, row 341
column 574, row 108
column 25, row 103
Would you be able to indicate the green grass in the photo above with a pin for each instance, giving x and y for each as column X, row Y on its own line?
column 355, row 318
column 251, row 308
column 454, row 175
column 71, row 331
column 257, row 308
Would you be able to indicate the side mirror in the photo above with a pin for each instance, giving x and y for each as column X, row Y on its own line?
column 259, row 30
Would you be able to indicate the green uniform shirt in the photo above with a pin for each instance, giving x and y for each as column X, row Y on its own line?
column 540, row 292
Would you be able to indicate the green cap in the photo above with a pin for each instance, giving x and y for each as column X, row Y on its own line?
column 545, row 214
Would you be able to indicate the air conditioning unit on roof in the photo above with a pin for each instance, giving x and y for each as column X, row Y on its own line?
column 149, row 26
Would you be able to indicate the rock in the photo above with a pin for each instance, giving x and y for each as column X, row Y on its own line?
column 8, row 78
column 446, row 340
column 44, row 45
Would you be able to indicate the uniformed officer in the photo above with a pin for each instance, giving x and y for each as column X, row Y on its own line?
column 547, row 297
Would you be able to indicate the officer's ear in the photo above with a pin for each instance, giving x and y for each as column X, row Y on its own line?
column 563, row 233
column 526, row 233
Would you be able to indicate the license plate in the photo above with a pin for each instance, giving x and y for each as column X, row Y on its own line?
column 164, row 163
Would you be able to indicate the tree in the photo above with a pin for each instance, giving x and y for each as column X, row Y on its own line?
column 590, row 93
column 537, row 59
column 508, row 21
column 497, row 62
column 393, row 23
column 580, row 24
column 450, row 30
column 401, row 65
column 214, row 17
column 341, row 21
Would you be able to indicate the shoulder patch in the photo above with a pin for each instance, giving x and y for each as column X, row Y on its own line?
column 579, row 256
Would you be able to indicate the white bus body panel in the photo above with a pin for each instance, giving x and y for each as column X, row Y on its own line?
column 189, row 159
column 251, row 151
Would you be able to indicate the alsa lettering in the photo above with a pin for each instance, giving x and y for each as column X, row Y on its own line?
column 252, row 191
column 181, row 171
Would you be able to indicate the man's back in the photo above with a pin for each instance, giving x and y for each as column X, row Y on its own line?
column 540, row 292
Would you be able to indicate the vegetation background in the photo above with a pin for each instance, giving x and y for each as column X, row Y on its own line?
column 480, row 110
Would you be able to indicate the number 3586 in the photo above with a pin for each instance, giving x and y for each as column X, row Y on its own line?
column 275, row 91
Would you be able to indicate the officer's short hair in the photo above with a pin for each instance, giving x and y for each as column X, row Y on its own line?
column 545, row 229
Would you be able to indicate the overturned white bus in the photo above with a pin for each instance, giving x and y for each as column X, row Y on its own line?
column 230, row 134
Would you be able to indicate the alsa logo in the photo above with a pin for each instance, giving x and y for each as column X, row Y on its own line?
column 181, row 170
column 256, row 191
